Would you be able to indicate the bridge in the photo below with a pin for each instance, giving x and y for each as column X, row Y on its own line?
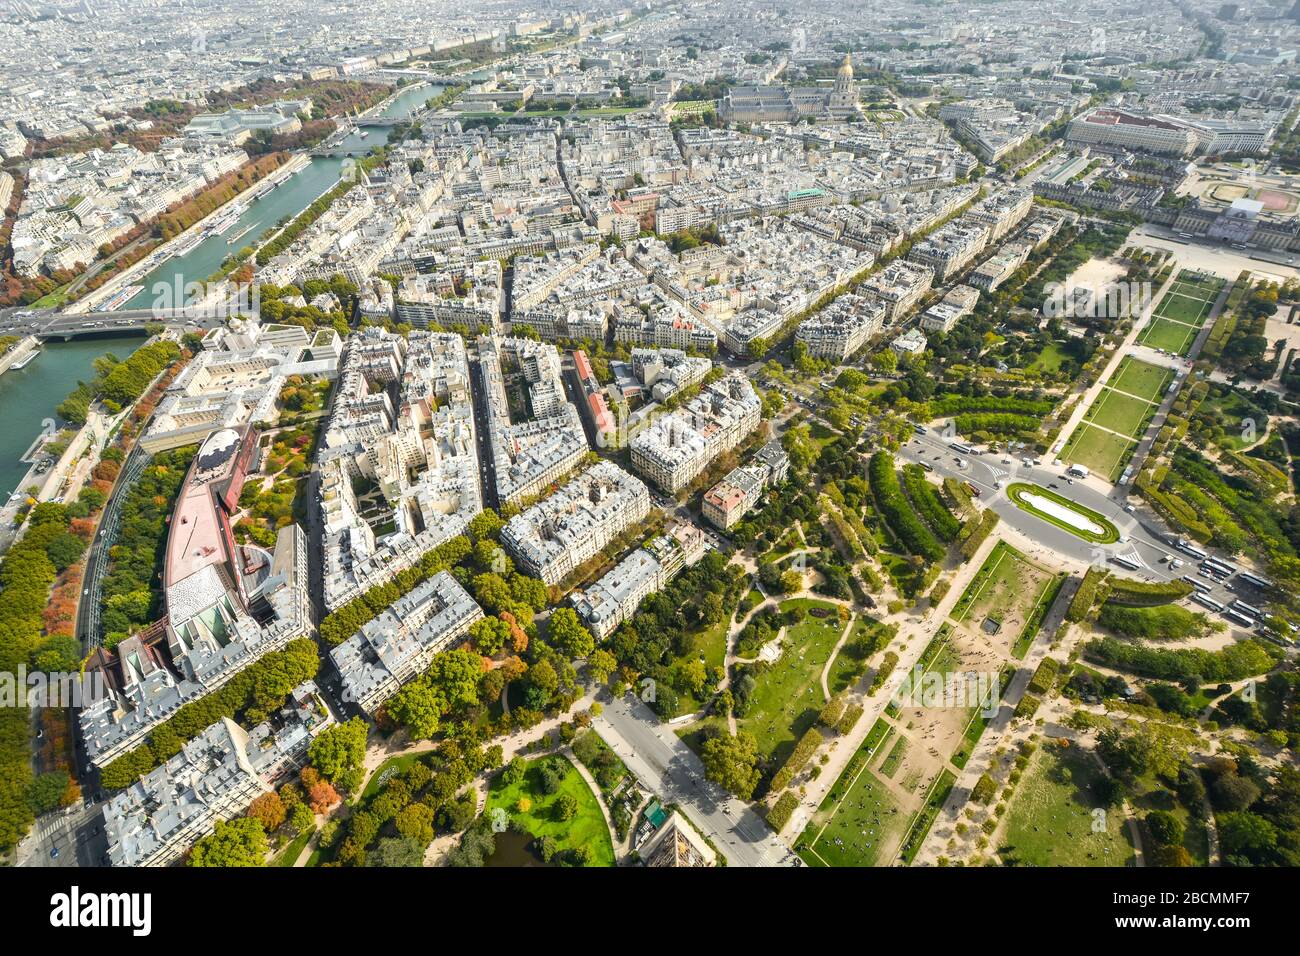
column 55, row 325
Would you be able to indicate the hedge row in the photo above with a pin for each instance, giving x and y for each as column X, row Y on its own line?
column 1045, row 675
column 1089, row 593
column 973, row 533
column 799, row 757
column 849, row 720
column 996, row 424
column 926, row 500
column 911, row 532
column 832, row 712
column 1246, row 659
column 886, row 668
column 971, row 404
column 1134, row 593
column 782, row 810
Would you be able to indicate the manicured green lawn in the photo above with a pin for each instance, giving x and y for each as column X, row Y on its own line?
column 1050, row 821
column 1167, row 334
column 586, row 828
column 1049, row 359
column 1039, row 501
column 1183, row 308
column 845, row 666
column 1098, row 450
column 788, row 695
column 289, row 855
column 1141, row 378
column 859, row 818
column 1121, row 413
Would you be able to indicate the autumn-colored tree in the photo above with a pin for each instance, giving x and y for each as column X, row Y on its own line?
column 268, row 810
column 512, row 668
column 322, row 796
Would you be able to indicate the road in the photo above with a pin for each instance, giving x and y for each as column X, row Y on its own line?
column 1144, row 538
column 675, row 774
column 984, row 471
column 77, row 834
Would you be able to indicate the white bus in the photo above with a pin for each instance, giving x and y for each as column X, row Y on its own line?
column 1205, row 600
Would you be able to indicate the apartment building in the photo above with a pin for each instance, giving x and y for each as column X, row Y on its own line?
column 950, row 248
column 401, row 641
column 214, row 777
column 730, row 499
column 843, row 327
column 616, row 596
column 555, row 536
column 899, row 286
column 677, row 447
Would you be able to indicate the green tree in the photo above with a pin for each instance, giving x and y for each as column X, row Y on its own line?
column 568, row 635
column 732, row 762
column 339, row 749
column 566, row 807
column 238, row 842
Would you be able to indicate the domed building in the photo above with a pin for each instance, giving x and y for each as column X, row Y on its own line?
column 779, row 104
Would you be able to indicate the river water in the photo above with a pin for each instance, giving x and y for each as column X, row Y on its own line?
column 291, row 197
column 30, row 395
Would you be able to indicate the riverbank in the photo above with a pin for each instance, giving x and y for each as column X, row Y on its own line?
column 19, row 354
column 159, row 256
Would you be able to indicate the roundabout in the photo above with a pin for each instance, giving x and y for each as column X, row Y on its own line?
column 1062, row 512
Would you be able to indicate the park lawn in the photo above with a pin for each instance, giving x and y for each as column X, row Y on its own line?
column 1191, row 309
column 858, row 818
column 1098, row 450
column 1121, row 413
column 1049, row 359
column 846, row 668
column 587, row 828
column 788, row 694
column 289, row 855
column 1046, row 598
column 1050, row 820
column 889, row 766
column 1169, row 335
column 1141, row 379
column 923, row 819
column 1006, row 580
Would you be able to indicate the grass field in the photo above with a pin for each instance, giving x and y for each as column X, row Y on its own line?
column 1098, row 450
column 1093, row 443
column 859, row 821
column 1175, row 337
column 845, row 668
column 1006, row 587
column 586, row 828
column 788, row 695
column 1141, row 379
column 1121, row 413
column 1181, row 314
column 1051, row 822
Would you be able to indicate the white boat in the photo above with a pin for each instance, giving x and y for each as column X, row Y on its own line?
column 25, row 361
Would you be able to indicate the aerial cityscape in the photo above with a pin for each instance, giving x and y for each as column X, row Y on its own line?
column 571, row 435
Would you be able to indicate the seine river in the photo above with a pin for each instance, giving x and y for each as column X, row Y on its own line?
column 30, row 395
